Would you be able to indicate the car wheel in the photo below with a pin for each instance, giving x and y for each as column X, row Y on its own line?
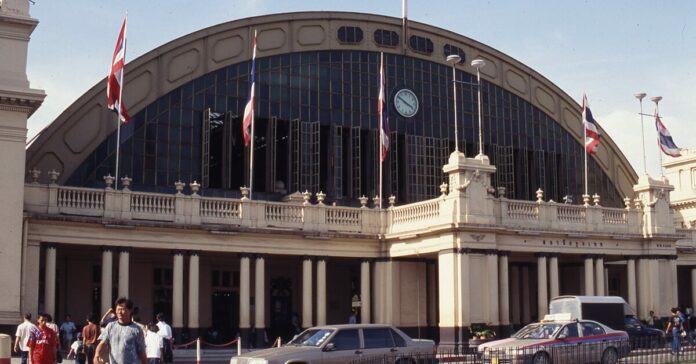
column 610, row 356
column 541, row 358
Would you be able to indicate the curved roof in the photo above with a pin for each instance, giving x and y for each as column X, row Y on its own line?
column 68, row 140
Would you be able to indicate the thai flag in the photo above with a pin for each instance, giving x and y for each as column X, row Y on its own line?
column 249, row 109
column 382, row 110
column 664, row 139
column 592, row 134
column 114, row 81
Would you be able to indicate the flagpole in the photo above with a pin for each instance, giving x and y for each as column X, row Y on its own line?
column 381, row 127
column 584, row 146
column 120, row 101
column 251, row 145
column 657, row 100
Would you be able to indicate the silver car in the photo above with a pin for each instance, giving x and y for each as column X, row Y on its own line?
column 576, row 341
column 342, row 344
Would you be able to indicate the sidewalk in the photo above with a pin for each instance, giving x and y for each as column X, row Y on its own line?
column 184, row 356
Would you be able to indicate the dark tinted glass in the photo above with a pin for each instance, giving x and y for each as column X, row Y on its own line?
column 398, row 339
column 346, row 340
column 386, row 37
column 350, row 34
column 590, row 328
column 377, row 338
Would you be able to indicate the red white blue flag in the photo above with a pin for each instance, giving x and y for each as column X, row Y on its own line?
column 664, row 139
column 249, row 109
column 382, row 110
column 114, row 81
column 592, row 134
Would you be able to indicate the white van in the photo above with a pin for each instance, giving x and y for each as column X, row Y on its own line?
column 609, row 310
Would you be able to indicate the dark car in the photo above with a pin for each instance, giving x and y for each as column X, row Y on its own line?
column 642, row 336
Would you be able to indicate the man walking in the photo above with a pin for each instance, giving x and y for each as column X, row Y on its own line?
column 165, row 331
column 67, row 329
column 122, row 339
column 22, row 336
column 90, row 333
column 43, row 342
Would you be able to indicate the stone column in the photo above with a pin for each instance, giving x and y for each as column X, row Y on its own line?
column 244, row 299
column 193, row 294
column 50, row 281
column 554, row 289
column 321, row 291
column 123, row 272
column 493, row 287
column 307, row 308
column 675, row 286
column 526, row 297
column 599, row 276
column 260, row 300
column 515, row 299
column 365, row 303
column 178, row 291
column 107, row 279
column 589, row 276
column 658, row 303
column 643, row 284
column 631, row 273
column 451, row 282
column 503, row 294
column 693, row 287
column 542, row 284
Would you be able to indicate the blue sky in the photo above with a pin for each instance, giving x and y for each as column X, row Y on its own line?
column 607, row 49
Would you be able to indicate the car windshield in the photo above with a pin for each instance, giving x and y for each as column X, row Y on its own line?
column 312, row 337
column 538, row 331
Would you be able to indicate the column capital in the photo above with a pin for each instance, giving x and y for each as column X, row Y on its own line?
column 366, row 260
column 632, row 257
column 246, row 255
column 178, row 252
column 504, row 253
column 193, row 253
column 49, row 245
column 106, row 248
column 308, row 257
column 553, row 255
column 541, row 255
column 260, row 256
column 321, row 259
column 123, row 249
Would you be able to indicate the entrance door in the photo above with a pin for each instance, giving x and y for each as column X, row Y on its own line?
column 225, row 316
column 281, row 309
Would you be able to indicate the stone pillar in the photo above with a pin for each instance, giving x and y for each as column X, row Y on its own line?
column 658, row 303
column 643, row 284
column 193, row 294
column 526, row 297
column 244, row 299
column 693, row 287
column 631, row 273
column 503, row 293
column 321, row 291
column 554, row 290
column 50, row 281
column 599, row 276
column 178, row 291
column 365, row 303
column 260, row 301
column 675, row 286
column 307, row 308
column 589, row 277
column 123, row 272
column 493, row 287
column 515, row 299
column 18, row 101
column 453, row 292
column 107, row 279
column 542, row 284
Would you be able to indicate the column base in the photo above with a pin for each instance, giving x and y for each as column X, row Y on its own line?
column 260, row 339
column 452, row 339
column 244, row 335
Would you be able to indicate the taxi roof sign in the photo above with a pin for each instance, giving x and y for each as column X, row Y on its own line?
column 565, row 316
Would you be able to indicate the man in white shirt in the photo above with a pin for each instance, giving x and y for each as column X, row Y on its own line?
column 67, row 329
column 154, row 345
column 165, row 331
column 22, row 336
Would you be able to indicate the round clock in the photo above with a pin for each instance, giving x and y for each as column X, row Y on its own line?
column 406, row 103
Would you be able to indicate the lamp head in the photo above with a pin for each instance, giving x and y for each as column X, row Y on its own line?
column 656, row 99
column 454, row 59
column 478, row 63
column 639, row 95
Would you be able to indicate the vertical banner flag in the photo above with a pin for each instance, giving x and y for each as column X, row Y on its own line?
column 664, row 139
column 114, row 81
column 591, row 132
column 382, row 109
column 249, row 108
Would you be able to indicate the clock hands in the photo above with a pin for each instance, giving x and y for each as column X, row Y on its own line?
column 404, row 101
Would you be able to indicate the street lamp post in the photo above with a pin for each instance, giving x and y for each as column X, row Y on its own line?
column 657, row 100
column 478, row 63
column 454, row 59
column 640, row 96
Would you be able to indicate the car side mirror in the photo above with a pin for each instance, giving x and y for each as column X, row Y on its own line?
column 330, row 347
column 562, row 337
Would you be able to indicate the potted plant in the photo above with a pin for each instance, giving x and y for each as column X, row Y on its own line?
column 479, row 334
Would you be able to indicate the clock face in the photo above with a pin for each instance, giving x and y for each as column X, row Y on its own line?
column 406, row 103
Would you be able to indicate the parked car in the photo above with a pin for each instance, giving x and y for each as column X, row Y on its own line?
column 558, row 339
column 642, row 336
column 342, row 344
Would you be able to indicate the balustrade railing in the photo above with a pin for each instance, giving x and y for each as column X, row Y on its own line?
column 523, row 210
column 343, row 216
column 420, row 211
column 614, row 216
column 80, row 198
column 220, row 208
column 152, row 206
column 283, row 213
column 571, row 214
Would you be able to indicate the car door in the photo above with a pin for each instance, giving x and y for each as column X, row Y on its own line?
column 594, row 341
column 343, row 347
column 567, row 350
column 378, row 341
